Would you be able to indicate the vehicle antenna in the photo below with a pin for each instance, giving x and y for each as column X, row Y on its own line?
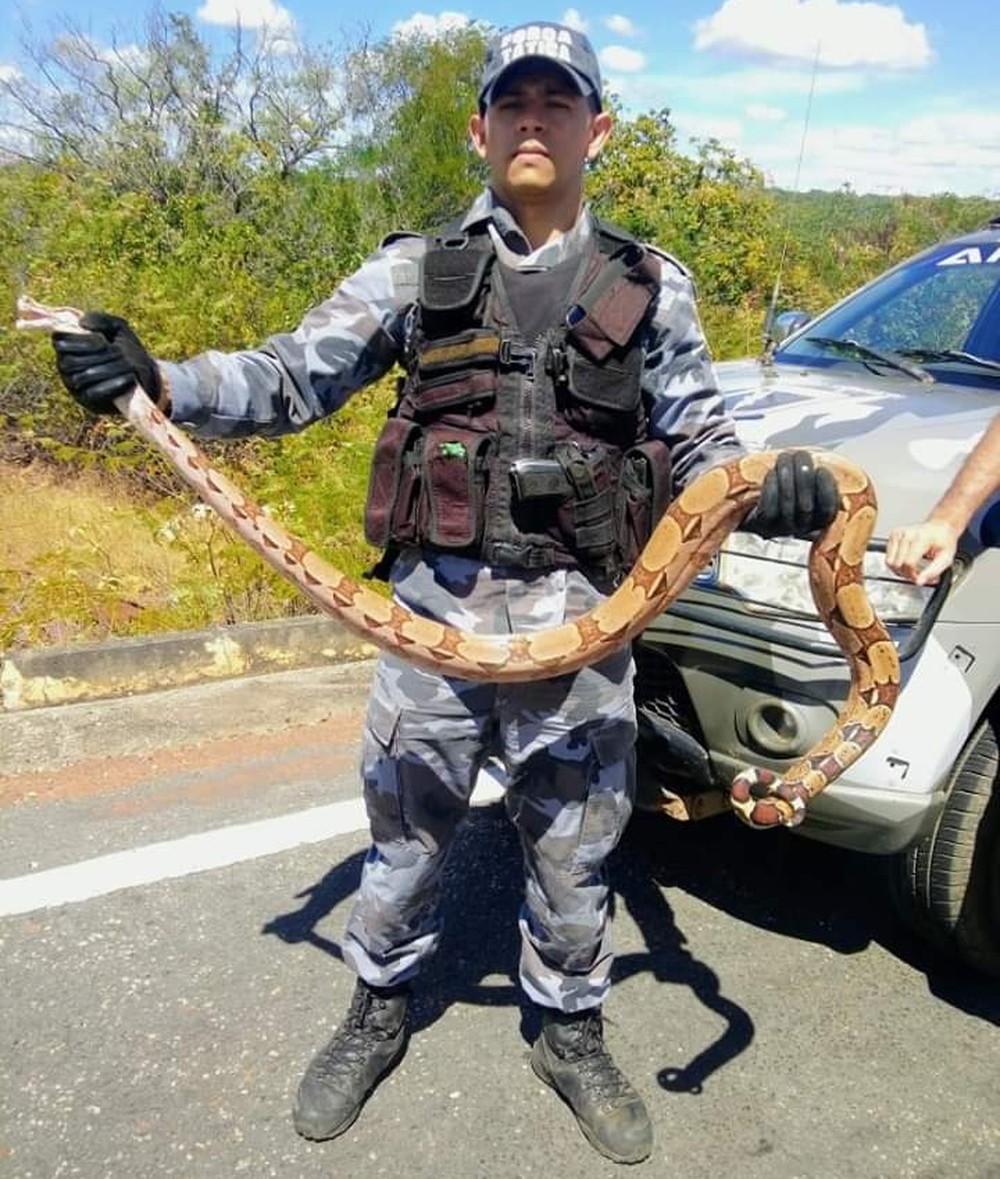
column 769, row 340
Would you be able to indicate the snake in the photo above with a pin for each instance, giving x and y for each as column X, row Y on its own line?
column 684, row 541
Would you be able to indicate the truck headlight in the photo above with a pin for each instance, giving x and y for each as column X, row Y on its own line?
column 771, row 576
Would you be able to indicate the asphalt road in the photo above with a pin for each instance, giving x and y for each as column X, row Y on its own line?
column 176, row 871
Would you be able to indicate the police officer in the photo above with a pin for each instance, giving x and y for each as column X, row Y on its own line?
column 558, row 389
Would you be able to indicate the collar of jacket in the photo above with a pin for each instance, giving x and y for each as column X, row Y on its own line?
column 488, row 211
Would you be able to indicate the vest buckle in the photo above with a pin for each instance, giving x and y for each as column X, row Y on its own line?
column 630, row 255
column 515, row 356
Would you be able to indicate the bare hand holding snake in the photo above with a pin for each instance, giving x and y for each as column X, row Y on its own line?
column 689, row 533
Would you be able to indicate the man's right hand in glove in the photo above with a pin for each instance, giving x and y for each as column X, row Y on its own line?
column 106, row 362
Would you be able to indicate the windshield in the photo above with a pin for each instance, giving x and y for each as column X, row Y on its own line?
column 941, row 310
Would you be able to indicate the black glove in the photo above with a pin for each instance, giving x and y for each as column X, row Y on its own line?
column 797, row 498
column 105, row 363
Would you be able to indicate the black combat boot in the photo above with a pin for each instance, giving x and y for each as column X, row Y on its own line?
column 339, row 1078
column 570, row 1056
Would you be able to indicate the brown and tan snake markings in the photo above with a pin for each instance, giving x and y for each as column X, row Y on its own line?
column 691, row 530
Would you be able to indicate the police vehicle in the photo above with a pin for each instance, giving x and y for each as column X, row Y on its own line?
column 901, row 377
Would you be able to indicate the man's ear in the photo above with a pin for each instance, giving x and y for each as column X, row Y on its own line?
column 477, row 134
column 600, row 129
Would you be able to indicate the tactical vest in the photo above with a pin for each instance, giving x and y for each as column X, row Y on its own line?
column 519, row 433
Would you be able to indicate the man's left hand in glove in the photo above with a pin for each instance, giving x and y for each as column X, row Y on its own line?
column 797, row 498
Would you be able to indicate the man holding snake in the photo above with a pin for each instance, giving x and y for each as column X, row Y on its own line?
column 558, row 390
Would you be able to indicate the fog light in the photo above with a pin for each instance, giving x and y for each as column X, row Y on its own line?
column 774, row 728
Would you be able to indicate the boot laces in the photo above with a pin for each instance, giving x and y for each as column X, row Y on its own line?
column 598, row 1072
column 354, row 1040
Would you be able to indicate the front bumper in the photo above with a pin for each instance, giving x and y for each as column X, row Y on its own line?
column 753, row 692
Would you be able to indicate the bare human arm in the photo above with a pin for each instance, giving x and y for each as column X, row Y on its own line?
column 935, row 539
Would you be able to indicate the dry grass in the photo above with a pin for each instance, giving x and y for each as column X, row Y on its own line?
column 82, row 560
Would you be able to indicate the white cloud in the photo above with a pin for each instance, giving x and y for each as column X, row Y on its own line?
column 645, row 92
column 9, row 73
column 767, row 83
column 574, row 20
column 762, row 113
column 621, row 25
column 728, row 130
column 251, row 14
column 423, row 24
column 938, row 151
column 981, row 128
column 948, row 145
column 618, row 57
column 126, row 55
column 843, row 33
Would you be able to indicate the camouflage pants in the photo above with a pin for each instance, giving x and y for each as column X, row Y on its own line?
column 568, row 747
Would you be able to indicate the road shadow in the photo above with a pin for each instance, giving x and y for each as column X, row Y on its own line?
column 799, row 888
column 319, row 900
column 773, row 880
column 481, row 896
column 668, row 959
column 480, row 946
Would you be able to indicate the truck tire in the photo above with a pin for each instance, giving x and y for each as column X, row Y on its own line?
column 946, row 886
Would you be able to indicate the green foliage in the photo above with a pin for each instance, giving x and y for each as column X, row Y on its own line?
column 710, row 210
column 414, row 113
column 317, row 482
column 209, row 221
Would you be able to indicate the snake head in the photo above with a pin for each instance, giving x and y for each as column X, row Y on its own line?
column 762, row 799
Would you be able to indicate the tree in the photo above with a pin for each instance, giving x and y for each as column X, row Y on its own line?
column 411, row 104
column 168, row 116
column 709, row 209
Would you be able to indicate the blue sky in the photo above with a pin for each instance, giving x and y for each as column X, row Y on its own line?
column 888, row 98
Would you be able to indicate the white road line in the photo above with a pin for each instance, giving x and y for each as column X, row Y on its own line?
column 194, row 853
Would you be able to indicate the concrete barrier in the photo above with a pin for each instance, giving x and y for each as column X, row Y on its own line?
column 39, row 676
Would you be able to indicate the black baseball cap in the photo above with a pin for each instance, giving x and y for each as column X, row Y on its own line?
column 540, row 41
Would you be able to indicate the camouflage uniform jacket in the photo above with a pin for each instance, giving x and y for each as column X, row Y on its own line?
column 358, row 334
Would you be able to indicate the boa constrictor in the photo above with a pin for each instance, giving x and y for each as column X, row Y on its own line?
column 684, row 541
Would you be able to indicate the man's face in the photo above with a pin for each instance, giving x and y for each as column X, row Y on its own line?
column 537, row 134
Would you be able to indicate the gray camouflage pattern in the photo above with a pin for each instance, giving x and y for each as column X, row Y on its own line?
column 567, row 743
column 568, row 748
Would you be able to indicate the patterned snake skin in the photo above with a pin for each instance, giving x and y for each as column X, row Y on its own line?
column 691, row 530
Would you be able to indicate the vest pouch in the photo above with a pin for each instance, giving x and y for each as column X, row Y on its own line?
column 613, row 301
column 454, row 492
column 586, row 517
column 394, row 485
column 643, row 493
column 614, row 384
column 451, row 276
column 456, row 371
